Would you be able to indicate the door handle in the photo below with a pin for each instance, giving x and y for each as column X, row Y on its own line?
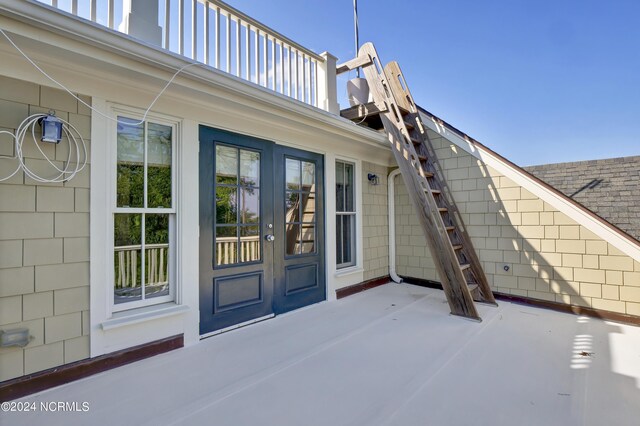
column 269, row 237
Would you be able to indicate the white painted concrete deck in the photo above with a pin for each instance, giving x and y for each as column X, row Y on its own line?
column 388, row 356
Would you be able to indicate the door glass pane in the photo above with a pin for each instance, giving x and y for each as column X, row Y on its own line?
column 249, row 243
column 348, row 187
column 127, row 237
column 250, row 205
column 308, row 207
column 308, row 176
column 249, row 168
column 156, row 244
column 293, row 174
column 159, row 166
column 130, row 167
column 226, row 245
column 226, row 205
column 292, row 204
column 339, row 187
column 226, row 165
column 292, row 238
column 308, row 238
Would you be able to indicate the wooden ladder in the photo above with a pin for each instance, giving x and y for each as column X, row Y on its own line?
column 461, row 274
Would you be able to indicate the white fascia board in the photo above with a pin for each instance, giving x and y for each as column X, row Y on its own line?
column 593, row 224
column 43, row 17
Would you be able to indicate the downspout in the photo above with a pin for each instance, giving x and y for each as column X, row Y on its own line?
column 392, row 225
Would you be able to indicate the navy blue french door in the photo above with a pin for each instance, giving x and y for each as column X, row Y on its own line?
column 261, row 229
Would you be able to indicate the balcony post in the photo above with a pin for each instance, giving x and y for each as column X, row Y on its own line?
column 327, row 92
column 140, row 20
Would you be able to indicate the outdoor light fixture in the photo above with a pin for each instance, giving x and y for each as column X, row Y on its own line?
column 14, row 337
column 51, row 128
column 373, row 178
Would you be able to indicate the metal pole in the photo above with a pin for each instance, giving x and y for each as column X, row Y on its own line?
column 355, row 25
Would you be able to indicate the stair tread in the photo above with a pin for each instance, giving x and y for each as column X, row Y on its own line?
column 457, row 246
column 449, row 228
column 465, row 266
column 442, row 209
column 436, row 191
column 472, row 287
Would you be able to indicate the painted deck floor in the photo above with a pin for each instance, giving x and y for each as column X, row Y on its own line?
column 388, row 356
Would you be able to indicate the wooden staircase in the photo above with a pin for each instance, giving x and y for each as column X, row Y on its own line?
column 394, row 110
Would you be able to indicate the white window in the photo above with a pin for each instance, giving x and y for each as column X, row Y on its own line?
column 345, row 215
column 144, row 213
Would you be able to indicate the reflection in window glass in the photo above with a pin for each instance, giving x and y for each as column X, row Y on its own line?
column 130, row 166
column 127, row 237
column 237, row 220
column 156, row 247
column 159, row 166
column 345, row 215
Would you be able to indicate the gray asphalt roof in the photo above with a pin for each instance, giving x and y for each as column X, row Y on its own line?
column 610, row 188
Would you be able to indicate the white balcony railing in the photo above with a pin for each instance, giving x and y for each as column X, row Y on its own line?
column 216, row 34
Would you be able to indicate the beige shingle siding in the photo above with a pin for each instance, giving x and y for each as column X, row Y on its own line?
column 549, row 255
column 44, row 240
column 375, row 222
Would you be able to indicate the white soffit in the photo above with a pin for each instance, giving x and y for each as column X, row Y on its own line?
column 598, row 226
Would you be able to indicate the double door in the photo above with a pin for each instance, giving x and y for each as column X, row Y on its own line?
column 261, row 229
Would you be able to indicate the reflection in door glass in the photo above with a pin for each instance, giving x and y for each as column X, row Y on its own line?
column 300, row 203
column 308, row 238
column 249, row 243
column 308, row 176
column 226, row 164
column 292, row 204
column 249, row 168
column 308, row 207
column 293, row 174
column 226, row 204
column 250, row 205
column 237, row 221
column 293, row 238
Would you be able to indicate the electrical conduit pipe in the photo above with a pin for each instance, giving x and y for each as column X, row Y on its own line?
column 392, row 225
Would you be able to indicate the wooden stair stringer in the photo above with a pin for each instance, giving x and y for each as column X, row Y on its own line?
column 453, row 279
column 400, row 88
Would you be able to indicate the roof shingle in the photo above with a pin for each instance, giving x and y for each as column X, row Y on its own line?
column 610, row 188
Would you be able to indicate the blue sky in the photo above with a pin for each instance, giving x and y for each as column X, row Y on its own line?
column 537, row 81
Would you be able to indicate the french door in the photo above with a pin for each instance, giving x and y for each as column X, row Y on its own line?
column 261, row 229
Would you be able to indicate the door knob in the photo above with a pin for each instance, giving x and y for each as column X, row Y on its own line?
column 270, row 237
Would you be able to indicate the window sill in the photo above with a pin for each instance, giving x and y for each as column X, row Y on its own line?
column 348, row 271
column 148, row 313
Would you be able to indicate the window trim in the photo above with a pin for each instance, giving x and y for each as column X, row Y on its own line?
column 173, row 266
column 340, row 267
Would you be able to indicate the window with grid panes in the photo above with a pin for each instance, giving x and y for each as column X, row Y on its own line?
column 345, row 215
column 144, row 214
